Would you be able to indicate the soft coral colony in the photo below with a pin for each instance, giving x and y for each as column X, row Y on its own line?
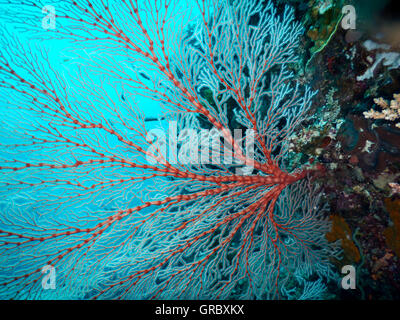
column 84, row 197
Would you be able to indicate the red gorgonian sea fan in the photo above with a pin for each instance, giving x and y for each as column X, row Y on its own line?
column 93, row 194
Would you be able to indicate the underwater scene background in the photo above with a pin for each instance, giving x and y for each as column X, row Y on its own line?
column 200, row 149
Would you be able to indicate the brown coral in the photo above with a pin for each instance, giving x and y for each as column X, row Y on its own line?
column 392, row 233
column 341, row 231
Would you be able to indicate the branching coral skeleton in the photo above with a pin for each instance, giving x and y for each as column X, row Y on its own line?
column 82, row 195
column 389, row 112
